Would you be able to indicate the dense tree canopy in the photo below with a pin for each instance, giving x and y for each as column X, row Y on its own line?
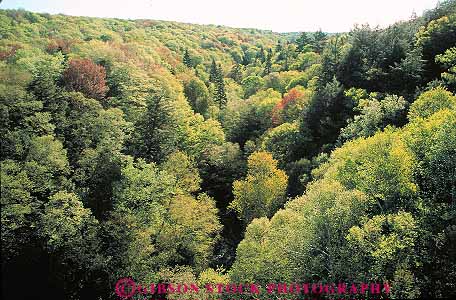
column 171, row 152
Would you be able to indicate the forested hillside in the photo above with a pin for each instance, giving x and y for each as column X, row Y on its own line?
column 171, row 152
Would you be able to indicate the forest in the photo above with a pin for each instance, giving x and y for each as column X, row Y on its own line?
column 170, row 152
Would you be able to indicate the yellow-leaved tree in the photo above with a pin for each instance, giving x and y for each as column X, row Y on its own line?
column 262, row 191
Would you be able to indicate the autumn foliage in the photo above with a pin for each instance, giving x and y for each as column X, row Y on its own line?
column 290, row 98
column 83, row 75
column 272, row 157
column 62, row 45
column 11, row 51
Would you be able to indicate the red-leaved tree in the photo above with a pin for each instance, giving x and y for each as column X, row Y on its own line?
column 289, row 99
column 83, row 75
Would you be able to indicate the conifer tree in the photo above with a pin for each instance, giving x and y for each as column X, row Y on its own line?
column 303, row 40
column 268, row 64
column 260, row 55
column 319, row 38
column 279, row 46
column 219, row 93
column 187, row 59
column 213, row 72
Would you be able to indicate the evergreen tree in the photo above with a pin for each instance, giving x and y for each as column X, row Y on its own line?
column 246, row 57
column 213, row 72
column 219, row 93
column 285, row 64
column 303, row 40
column 147, row 142
column 187, row 59
column 319, row 38
column 260, row 55
column 268, row 64
column 279, row 46
column 283, row 54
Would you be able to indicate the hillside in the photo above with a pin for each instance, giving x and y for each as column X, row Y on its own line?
column 172, row 152
column 157, row 43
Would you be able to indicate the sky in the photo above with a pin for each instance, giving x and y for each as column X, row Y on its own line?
column 278, row 15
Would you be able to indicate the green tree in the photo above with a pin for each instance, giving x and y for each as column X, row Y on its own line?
column 431, row 141
column 151, row 127
column 327, row 113
column 283, row 142
column 302, row 41
column 236, row 73
column 47, row 165
column 431, row 102
column 303, row 240
column 434, row 39
column 187, row 60
column 262, row 192
column 19, row 207
column 319, row 39
column 380, row 166
column 251, row 85
column 213, row 73
column 158, row 205
column 375, row 115
column 448, row 60
column 70, row 236
column 260, row 55
column 268, row 63
column 197, row 94
column 249, row 119
column 386, row 245
column 219, row 93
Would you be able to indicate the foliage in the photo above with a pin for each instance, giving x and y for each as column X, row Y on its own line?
column 251, row 85
column 435, row 38
column 262, row 192
column 84, row 76
column 364, row 228
column 375, row 115
column 197, row 95
column 291, row 106
column 245, row 120
column 430, row 102
column 283, row 142
column 171, row 152
column 448, row 60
